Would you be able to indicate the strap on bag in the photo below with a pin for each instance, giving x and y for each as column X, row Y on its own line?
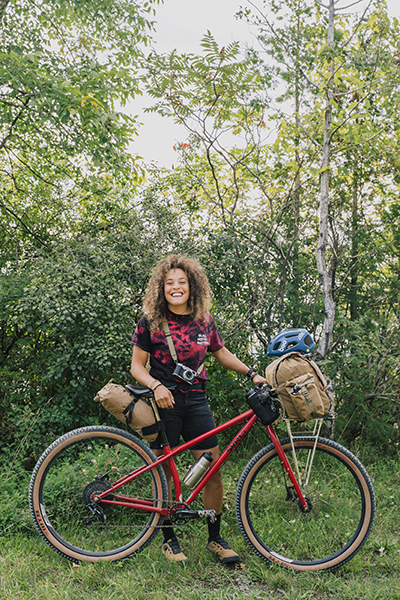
column 172, row 347
column 155, row 427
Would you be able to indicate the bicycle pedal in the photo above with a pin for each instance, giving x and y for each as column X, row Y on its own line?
column 184, row 513
column 208, row 514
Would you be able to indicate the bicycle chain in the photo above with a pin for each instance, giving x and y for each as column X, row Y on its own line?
column 177, row 524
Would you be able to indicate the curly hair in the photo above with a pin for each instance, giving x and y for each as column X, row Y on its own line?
column 155, row 304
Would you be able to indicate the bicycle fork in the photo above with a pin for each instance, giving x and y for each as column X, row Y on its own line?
column 304, row 505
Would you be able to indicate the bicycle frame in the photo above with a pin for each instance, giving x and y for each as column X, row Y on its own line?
column 249, row 418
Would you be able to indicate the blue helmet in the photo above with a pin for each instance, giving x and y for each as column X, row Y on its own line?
column 291, row 340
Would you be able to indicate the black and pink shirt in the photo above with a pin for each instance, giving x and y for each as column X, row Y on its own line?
column 192, row 340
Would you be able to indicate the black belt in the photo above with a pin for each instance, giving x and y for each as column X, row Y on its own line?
column 183, row 386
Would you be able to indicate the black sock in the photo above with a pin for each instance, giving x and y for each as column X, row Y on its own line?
column 168, row 530
column 213, row 528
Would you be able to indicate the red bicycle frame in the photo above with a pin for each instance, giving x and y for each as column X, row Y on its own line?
column 248, row 417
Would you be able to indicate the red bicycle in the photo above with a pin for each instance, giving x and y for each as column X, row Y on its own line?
column 303, row 502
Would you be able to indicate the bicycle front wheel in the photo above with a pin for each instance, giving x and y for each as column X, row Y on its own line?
column 80, row 464
column 339, row 493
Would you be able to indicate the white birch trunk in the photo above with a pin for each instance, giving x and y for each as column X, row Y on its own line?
column 325, row 277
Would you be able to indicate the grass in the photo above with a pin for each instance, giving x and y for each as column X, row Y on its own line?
column 30, row 570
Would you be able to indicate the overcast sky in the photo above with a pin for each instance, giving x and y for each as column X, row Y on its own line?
column 181, row 24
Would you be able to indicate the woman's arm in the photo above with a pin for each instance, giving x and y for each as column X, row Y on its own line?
column 163, row 397
column 230, row 361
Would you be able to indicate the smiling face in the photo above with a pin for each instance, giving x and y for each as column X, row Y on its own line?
column 176, row 291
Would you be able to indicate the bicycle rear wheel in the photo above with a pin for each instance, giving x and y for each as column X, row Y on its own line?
column 71, row 470
column 340, row 494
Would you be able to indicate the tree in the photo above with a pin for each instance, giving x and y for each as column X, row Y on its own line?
column 67, row 320
column 279, row 183
column 64, row 68
column 66, row 182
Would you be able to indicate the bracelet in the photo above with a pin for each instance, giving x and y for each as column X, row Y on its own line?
column 251, row 373
column 154, row 381
column 155, row 387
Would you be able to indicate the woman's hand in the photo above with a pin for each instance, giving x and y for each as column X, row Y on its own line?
column 163, row 397
column 259, row 379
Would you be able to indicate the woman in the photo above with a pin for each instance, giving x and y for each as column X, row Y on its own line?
column 179, row 295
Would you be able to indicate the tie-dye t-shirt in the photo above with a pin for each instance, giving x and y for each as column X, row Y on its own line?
column 192, row 340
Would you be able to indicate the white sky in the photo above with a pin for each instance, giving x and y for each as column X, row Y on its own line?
column 181, row 24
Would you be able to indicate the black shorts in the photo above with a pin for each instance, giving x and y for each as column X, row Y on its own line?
column 191, row 416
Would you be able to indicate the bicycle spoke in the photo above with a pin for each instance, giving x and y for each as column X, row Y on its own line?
column 84, row 465
column 339, row 494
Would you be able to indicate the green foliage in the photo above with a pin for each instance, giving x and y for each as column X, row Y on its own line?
column 79, row 237
column 72, row 268
column 249, row 172
column 64, row 69
column 366, row 368
column 14, row 510
column 66, row 322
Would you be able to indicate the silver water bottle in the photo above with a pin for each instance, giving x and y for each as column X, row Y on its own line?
column 197, row 471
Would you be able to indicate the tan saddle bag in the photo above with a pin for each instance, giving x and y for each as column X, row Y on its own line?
column 129, row 409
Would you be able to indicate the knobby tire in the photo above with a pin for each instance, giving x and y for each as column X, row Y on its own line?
column 63, row 483
column 342, row 502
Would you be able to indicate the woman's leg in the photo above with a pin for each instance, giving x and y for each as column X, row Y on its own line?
column 212, row 499
column 213, row 491
column 170, row 547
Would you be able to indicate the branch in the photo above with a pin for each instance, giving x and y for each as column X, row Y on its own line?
column 365, row 141
column 315, row 85
column 27, row 229
column 311, row 138
column 356, row 28
column 271, row 28
column 349, row 5
column 6, row 103
column 258, row 333
column 35, row 173
column 14, row 122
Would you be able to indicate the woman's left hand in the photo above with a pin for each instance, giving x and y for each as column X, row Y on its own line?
column 259, row 379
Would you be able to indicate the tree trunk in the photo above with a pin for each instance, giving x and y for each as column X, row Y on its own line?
column 3, row 6
column 325, row 276
column 354, row 249
column 296, row 192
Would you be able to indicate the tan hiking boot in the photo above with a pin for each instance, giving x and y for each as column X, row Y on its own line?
column 173, row 552
column 221, row 548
